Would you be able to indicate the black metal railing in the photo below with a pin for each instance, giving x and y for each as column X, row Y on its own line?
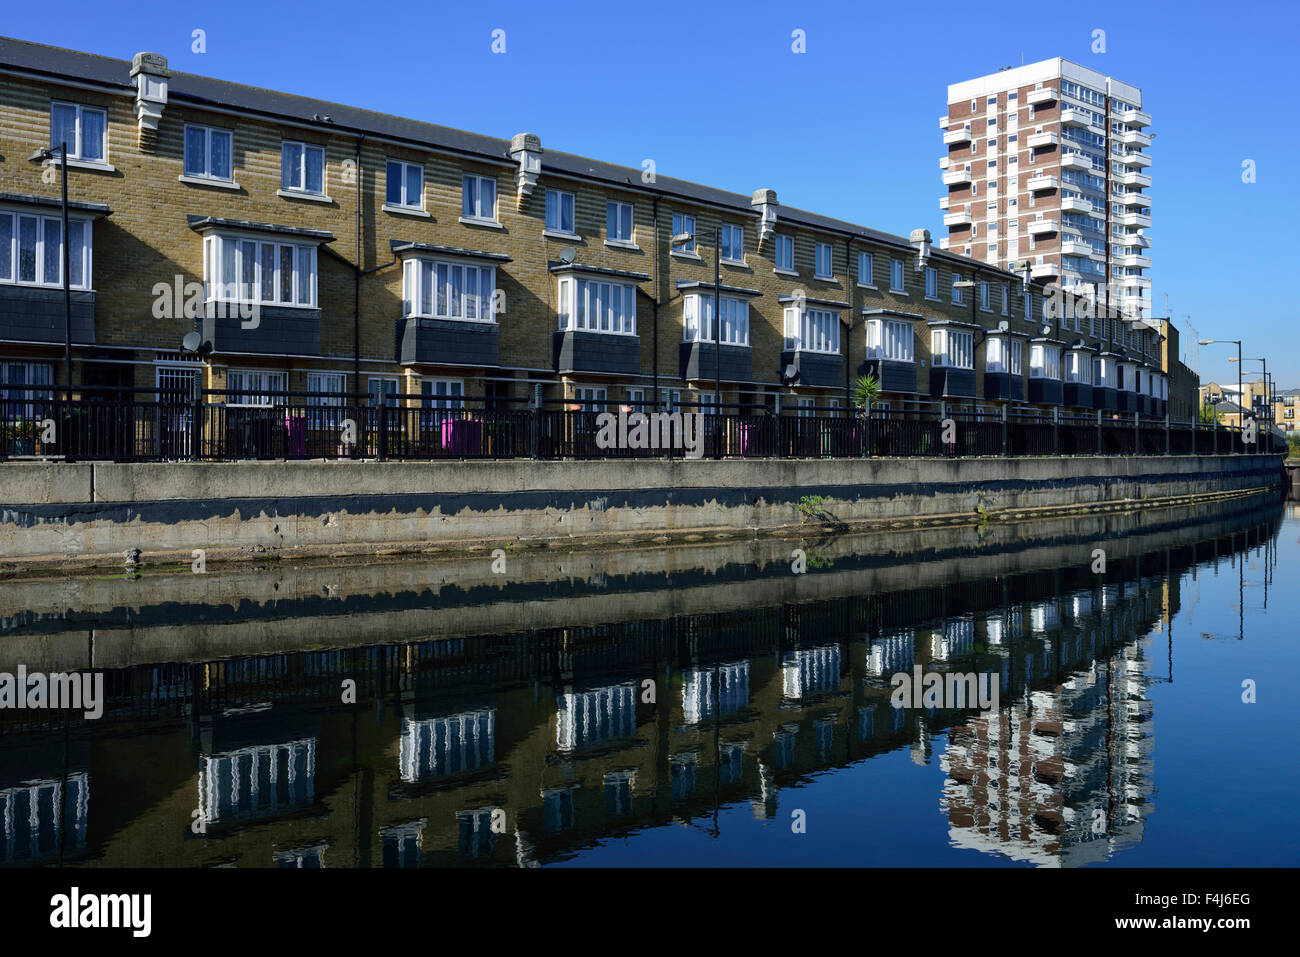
column 225, row 425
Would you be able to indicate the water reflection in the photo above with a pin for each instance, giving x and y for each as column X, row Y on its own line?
column 540, row 745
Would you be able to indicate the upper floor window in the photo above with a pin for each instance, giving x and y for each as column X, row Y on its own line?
column 1006, row 299
column 931, row 283
column 1078, row 367
column 812, row 330
column 207, row 152
column 953, row 348
column 83, row 128
column 698, row 320
column 478, row 198
column 302, row 168
column 822, row 261
column 404, row 184
column 896, row 275
column 448, row 290
column 618, row 222
column 733, row 243
column 889, row 339
column 984, row 294
column 560, row 208
column 958, row 297
column 684, row 225
column 31, row 250
column 261, row 271
column 865, row 277
column 597, row 305
column 784, row 253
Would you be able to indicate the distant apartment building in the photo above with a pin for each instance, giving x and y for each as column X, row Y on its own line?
column 1044, row 163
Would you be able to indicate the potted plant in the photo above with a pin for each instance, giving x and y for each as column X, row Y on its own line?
column 865, row 391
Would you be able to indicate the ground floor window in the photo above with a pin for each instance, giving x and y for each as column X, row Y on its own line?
column 16, row 398
column 253, row 387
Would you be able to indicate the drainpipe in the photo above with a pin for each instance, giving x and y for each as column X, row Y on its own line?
column 356, row 283
column 658, row 286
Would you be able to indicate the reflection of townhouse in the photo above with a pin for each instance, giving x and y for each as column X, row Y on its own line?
column 387, row 256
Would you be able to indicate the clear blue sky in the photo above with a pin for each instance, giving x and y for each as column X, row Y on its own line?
column 712, row 93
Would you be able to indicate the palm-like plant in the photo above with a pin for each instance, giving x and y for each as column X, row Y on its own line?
column 865, row 391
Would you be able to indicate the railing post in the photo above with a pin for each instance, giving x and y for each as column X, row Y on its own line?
column 1099, row 431
column 1166, row 432
column 196, row 429
column 1005, row 448
column 777, row 428
column 1137, row 432
column 1056, row 430
column 1216, row 435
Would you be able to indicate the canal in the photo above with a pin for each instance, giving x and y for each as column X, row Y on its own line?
column 718, row 703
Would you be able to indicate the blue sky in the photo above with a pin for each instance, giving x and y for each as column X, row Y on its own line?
column 713, row 93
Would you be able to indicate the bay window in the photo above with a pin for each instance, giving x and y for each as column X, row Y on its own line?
column 31, row 250
column 238, row 268
column 812, row 330
column 1044, row 361
column 952, row 348
column 436, row 289
column 1006, row 355
column 889, row 339
column 597, row 305
column 698, row 320
column 1105, row 373
column 1078, row 368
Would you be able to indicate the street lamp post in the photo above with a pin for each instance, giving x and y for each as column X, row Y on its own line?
column 1268, row 416
column 44, row 155
column 1241, row 398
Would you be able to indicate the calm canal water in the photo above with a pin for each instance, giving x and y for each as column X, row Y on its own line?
column 703, row 706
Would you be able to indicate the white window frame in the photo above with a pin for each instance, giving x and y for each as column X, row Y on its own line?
column 471, row 198
column 556, row 200
column 327, row 381
column 575, row 304
column 589, row 395
column 247, row 285
column 952, row 348
column 76, row 149
column 866, row 270
column 452, row 395
column 254, row 392
column 1082, row 371
column 732, row 237
column 958, row 293
column 820, row 250
column 210, row 133
column 614, row 213
column 684, row 223
column 783, row 253
column 299, row 185
column 812, row 329
column 891, row 339
column 10, row 252
column 897, row 276
column 697, row 319
column 1004, row 354
column 932, row 283
column 436, row 282
column 404, row 200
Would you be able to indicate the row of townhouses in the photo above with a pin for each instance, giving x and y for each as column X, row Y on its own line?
column 320, row 247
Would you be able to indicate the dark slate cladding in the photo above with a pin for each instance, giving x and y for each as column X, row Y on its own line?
column 815, row 368
column 954, row 383
column 581, row 351
column 1047, row 391
column 1128, row 401
column 1103, row 398
column 280, row 331
column 1077, row 394
column 894, row 376
column 446, row 341
column 1003, row 385
column 33, row 314
column 696, row 362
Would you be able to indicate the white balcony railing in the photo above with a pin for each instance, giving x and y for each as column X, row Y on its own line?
column 959, row 218
column 1131, row 177
column 957, row 177
column 1133, row 158
column 1043, row 182
column 1075, row 161
column 1134, row 118
column 1039, row 227
column 1039, row 140
column 1134, row 138
column 1076, row 204
column 953, row 137
column 1044, row 270
column 1046, row 94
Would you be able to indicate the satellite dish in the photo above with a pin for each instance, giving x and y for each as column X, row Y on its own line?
column 790, row 373
column 1047, row 329
column 191, row 342
column 568, row 254
column 1003, row 326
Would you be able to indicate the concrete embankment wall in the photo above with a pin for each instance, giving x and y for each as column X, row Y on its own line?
column 56, row 512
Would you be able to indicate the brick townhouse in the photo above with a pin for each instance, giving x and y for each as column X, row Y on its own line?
column 390, row 256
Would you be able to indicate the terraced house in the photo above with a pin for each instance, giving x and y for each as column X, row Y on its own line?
column 323, row 248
